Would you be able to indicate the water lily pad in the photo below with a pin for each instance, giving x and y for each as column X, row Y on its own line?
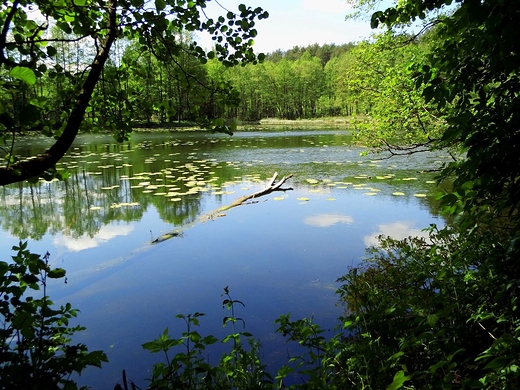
column 420, row 195
column 331, row 199
column 397, row 193
column 370, row 193
column 312, row 181
column 302, row 199
column 278, row 198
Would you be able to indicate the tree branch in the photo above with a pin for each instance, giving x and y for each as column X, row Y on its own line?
column 34, row 167
column 5, row 30
column 271, row 186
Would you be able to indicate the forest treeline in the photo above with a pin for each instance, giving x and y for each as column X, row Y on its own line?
column 139, row 87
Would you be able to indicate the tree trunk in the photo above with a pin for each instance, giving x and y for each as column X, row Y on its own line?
column 36, row 166
column 271, row 186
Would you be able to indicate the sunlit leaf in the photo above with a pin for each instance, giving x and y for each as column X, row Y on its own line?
column 25, row 74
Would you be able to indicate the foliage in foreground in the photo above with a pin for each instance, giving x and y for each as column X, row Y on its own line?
column 421, row 313
column 35, row 337
column 435, row 312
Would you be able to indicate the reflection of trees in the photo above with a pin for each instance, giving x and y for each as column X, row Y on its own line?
column 102, row 187
column 83, row 204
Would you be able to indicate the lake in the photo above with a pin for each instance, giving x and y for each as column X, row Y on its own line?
column 280, row 254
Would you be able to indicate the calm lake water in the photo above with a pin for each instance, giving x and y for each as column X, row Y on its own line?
column 282, row 254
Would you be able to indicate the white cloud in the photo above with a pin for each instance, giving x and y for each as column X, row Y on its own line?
column 106, row 233
column 336, row 6
column 297, row 23
column 326, row 220
column 397, row 230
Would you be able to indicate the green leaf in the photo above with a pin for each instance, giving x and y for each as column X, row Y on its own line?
column 399, row 378
column 25, row 74
column 56, row 273
column 160, row 5
column 499, row 362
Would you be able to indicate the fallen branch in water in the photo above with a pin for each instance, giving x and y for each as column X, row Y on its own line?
column 272, row 185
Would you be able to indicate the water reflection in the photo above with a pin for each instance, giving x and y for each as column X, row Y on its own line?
column 397, row 230
column 105, row 234
column 277, row 257
column 119, row 182
column 326, row 220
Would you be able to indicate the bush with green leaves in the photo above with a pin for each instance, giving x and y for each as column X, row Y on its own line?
column 432, row 313
column 185, row 366
column 35, row 337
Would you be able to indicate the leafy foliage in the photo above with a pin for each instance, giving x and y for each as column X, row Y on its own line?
column 240, row 368
column 472, row 67
column 35, row 52
column 35, row 338
column 379, row 81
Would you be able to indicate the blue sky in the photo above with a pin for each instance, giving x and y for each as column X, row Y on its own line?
column 298, row 22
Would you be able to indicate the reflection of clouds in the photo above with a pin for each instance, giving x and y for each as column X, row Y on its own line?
column 397, row 230
column 106, row 233
column 326, row 220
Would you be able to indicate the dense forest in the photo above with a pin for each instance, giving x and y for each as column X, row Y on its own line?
column 138, row 87
column 436, row 312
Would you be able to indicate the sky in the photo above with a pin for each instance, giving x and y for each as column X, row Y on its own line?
column 297, row 23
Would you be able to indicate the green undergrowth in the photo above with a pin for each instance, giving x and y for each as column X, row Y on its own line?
column 439, row 312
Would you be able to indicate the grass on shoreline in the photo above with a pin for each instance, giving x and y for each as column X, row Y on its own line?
column 267, row 123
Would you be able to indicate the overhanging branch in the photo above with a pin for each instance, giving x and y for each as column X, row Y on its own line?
column 36, row 166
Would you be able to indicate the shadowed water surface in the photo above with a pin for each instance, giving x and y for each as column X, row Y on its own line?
column 280, row 254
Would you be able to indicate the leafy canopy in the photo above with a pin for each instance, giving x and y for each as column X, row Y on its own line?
column 30, row 53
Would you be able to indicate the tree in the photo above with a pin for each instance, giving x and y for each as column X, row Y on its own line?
column 474, row 66
column 28, row 53
column 378, row 81
column 443, row 312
